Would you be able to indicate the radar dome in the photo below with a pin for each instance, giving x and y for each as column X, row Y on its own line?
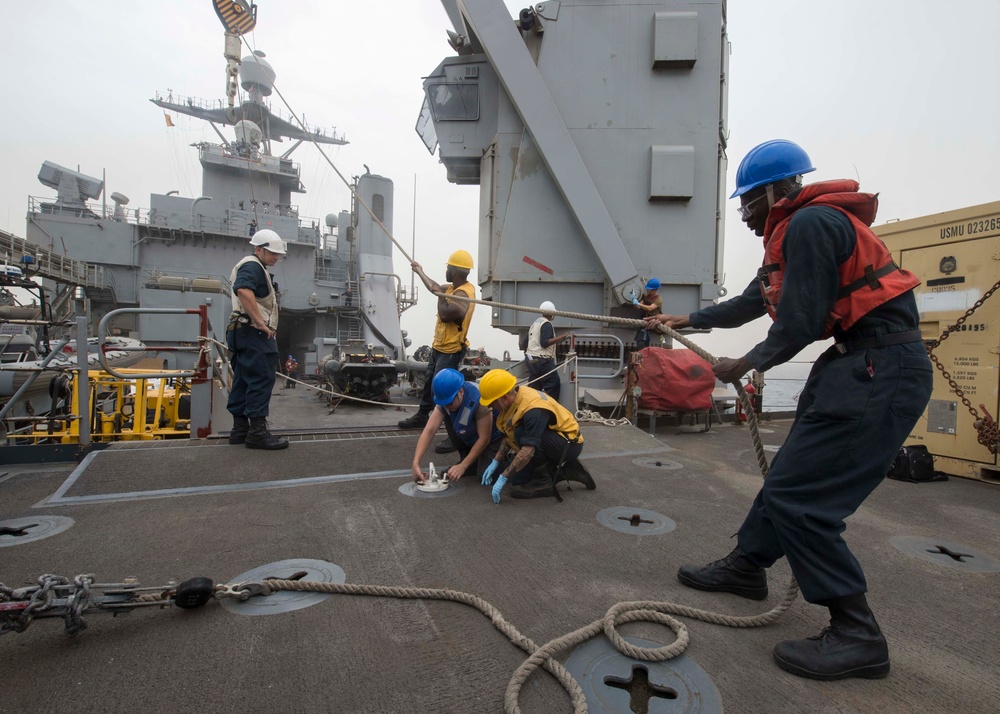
column 331, row 220
column 247, row 132
column 257, row 74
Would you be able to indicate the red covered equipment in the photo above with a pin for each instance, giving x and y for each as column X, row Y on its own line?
column 675, row 380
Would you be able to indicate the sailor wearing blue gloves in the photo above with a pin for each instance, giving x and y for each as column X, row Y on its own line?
column 471, row 426
column 649, row 304
column 543, row 440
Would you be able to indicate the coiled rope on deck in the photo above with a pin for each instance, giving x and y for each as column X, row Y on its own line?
column 619, row 614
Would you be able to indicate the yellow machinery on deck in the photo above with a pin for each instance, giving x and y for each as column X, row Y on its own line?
column 956, row 255
column 133, row 409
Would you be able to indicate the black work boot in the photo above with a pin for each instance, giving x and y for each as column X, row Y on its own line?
column 575, row 471
column 735, row 573
column 538, row 487
column 852, row 646
column 259, row 437
column 417, row 421
column 445, row 447
column 238, row 434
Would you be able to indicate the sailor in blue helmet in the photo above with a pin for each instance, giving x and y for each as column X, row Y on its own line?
column 649, row 303
column 825, row 274
column 471, row 426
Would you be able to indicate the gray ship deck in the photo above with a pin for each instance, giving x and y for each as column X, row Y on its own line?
column 175, row 510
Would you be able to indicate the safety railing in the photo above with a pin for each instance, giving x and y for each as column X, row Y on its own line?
column 619, row 361
column 102, row 333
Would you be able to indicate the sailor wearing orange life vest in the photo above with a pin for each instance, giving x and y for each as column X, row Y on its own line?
column 825, row 274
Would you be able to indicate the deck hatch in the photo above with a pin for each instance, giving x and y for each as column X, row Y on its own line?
column 17, row 531
column 947, row 553
column 635, row 521
column 614, row 683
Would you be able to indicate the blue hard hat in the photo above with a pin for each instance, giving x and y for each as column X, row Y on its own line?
column 653, row 284
column 769, row 162
column 445, row 385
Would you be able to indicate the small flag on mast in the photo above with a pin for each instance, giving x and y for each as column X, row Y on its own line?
column 169, row 120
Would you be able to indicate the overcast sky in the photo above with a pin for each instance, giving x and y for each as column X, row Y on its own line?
column 900, row 94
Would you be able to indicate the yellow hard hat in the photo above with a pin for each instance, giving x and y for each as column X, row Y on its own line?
column 495, row 384
column 461, row 259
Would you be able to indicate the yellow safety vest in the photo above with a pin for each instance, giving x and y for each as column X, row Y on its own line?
column 528, row 398
column 449, row 337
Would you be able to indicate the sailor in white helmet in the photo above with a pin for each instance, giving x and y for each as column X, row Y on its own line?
column 540, row 352
column 250, row 337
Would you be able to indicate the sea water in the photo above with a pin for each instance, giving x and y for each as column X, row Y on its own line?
column 782, row 386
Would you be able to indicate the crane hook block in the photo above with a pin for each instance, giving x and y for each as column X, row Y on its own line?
column 237, row 16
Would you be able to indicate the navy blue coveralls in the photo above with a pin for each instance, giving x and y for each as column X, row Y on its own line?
column 551, row 447
column 254, row 355
column 463, row 432
column 854, row 413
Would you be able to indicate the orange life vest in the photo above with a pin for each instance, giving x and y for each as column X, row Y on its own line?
column 868, row 278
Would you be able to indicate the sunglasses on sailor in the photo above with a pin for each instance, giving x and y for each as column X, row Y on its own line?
column 745, row 209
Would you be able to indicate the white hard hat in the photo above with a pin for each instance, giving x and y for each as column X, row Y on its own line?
column 547, row 306
column 270, row 240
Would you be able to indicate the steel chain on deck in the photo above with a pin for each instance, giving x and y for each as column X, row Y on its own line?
column 988, row 432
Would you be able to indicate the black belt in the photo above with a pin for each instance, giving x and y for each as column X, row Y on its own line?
column 880, row 340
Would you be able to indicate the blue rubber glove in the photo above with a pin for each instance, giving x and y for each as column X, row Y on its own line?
column 488, row 473
column 635, row 301
column 501, row 482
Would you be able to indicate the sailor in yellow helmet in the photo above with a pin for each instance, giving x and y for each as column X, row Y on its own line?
column 450, row 331
column 541, row 434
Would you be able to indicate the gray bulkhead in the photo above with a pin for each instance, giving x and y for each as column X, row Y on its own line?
column 597, row 136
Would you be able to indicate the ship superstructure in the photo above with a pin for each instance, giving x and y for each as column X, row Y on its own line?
column 336, row 285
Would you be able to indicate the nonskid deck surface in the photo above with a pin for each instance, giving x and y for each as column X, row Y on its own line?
column 549, row 567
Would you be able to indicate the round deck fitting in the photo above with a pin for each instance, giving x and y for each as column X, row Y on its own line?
column 635, row 521
column 285, row 600
column 612, row 682
column 411, row 489
column 433, row 486
column 648, row 462
column 16, row 531
column 947, row 553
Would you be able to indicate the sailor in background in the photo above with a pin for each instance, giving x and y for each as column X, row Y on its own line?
column 250, row 337
column 540, row 352
column 543, row 440
column 825, row 274
column 471, row 426
column 291, row 367
column 450, row 330
column 649, row 304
